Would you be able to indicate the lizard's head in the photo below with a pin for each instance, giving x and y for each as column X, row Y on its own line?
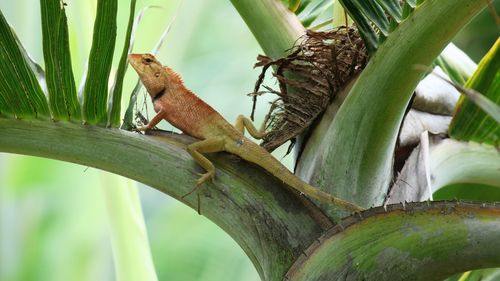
column 150, row 71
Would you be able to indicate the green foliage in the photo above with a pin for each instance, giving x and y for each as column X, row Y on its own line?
column 357, row 149
column 374, row 19
column 59, row 75
column 116, row 95
column 316, row 12
column 20, row 92
column 311, row 11
column 101, row 56
column 466, row 191
column 456, row 64
column 129, row 239
column 471, row 122
column 371, row 20
column 62, row 96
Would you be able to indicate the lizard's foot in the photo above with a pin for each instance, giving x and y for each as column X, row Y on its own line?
column 141, row 128
column 206, row 177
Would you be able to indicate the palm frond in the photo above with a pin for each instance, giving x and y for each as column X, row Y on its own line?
column 375, row 19
column 116, row 92
column 61, row 87
column 101, row 57
column 311, row 11
column 393, row 8
column 29, row 91
column 319, row 9
column 20, row 93
column 293, row 5
column 471, row 120
column 35, row 67
column 456, row 64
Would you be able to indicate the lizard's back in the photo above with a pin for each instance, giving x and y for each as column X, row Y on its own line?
column 189, row 113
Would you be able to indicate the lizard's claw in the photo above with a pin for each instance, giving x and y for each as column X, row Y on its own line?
column 191, row 191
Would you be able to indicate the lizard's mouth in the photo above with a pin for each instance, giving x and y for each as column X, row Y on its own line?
column 134, row 57
column 134, row 60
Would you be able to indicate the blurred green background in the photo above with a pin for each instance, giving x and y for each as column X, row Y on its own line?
column 53, row 221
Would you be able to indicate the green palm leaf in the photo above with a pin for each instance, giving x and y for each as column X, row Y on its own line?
column 20, row 92
column 475, row 117
column 37, row 69
column 393, row 8
column 116, row 95
column 60, row 81
column 456, row 64
column 101, row 57
column 317, row 11
column 374, row 19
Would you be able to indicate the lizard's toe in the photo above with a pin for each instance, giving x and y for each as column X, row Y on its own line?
column 141, row 128
column 204, row 177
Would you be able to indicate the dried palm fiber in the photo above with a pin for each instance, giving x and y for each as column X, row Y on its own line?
column 309, row 78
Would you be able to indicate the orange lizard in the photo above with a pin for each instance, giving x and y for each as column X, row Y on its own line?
column 184, row 110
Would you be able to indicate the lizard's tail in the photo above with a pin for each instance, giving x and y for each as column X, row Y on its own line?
column 252, row 152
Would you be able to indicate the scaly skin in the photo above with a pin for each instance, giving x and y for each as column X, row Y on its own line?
column 183, row 109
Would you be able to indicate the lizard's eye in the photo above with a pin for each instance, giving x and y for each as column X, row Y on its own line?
column 157, row 74
column 147, row 60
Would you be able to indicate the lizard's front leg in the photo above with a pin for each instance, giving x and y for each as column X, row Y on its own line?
column 205, row 146
column 156, row 119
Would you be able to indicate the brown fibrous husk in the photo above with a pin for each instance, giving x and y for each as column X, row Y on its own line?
column 309, row 78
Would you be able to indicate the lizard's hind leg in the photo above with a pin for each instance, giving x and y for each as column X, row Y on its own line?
column 243, row 123
column 205, row 146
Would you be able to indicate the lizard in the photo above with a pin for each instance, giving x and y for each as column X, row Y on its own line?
column 183, row 109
